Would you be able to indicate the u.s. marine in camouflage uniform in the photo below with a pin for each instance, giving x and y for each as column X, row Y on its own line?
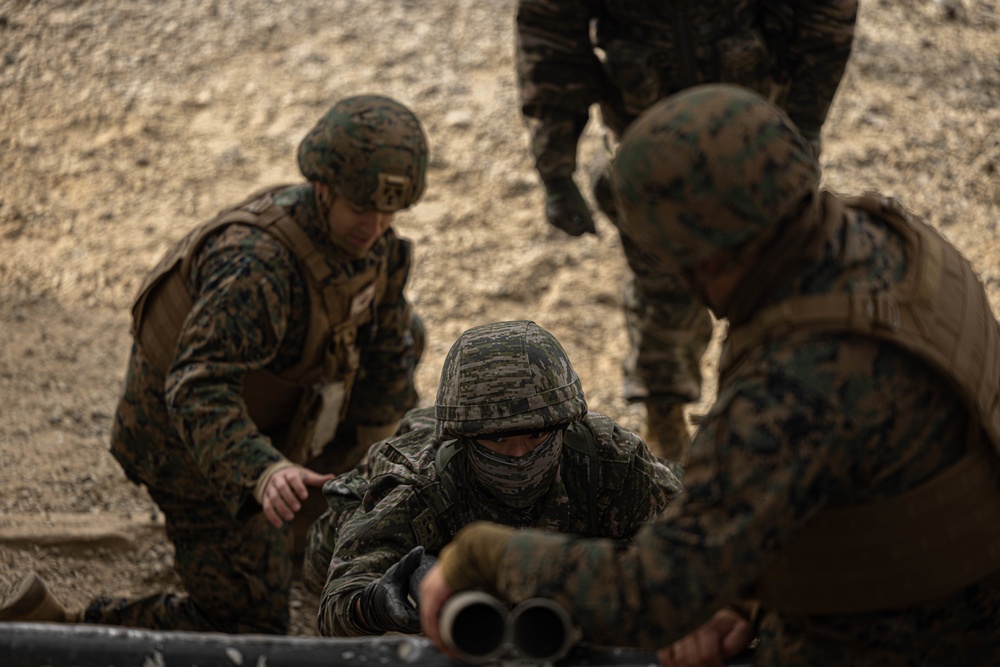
column 847, row 476
column 509, row 440
column 625, row 55
column 273, row 342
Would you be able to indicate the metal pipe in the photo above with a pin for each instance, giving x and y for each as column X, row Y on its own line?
column 541, row 630
column 474, row 625
column 73, row 645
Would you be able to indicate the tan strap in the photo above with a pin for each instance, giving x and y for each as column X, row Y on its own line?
column 931, row 541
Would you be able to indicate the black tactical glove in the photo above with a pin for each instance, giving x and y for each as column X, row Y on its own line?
column 384, row 606
column 426, row 563
column 566, row 209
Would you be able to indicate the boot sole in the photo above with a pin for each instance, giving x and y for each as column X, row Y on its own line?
column 27, row 597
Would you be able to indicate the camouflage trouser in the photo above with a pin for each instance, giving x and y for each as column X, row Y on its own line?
column 236, row 574
column 668, row 330
column 668, row 333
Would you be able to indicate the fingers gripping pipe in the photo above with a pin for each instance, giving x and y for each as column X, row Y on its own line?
column 481, row 629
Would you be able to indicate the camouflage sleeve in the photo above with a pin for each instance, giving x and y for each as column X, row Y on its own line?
column 649, row 487
column 384, row 389
column 815, row 58
column 699, row 555
column 559, row 77
column 370, row 542
column 799, row 429
column 243, row 282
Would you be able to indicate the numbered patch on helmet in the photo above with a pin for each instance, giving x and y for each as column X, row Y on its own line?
column 392, row 192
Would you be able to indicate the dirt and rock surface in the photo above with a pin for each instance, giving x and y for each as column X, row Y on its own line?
column 123, row 124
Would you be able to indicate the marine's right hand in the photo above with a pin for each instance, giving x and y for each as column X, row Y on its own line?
column 566, row 209
column 286, row 489
column 723, row 636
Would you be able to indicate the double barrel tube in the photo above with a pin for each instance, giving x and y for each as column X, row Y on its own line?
column 481, row 629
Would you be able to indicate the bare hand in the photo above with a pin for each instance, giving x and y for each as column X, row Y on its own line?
column 434, row 592
column 710, row 644
column 286, row 490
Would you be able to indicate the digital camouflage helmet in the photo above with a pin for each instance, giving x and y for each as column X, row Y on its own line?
column 716, row 167
column 507, row 377
column 370, row 149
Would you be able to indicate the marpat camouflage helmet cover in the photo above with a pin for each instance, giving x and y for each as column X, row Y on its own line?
column 507, row 377
column 370, row 149
column 713, row 168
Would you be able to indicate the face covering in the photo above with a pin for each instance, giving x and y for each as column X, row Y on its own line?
column 517, row 481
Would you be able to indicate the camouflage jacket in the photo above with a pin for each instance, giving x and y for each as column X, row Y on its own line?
column 793, row 432
column 189, row 432
column 409, row 503
column 794, row 53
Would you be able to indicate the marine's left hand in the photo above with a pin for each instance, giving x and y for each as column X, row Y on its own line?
column 710, row 644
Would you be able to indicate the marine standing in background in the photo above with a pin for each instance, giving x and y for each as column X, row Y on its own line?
column 625, row 55
column 509, row 440
column 272, row 346
column 847, row 476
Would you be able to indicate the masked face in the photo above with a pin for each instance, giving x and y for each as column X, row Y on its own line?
column 518, row 469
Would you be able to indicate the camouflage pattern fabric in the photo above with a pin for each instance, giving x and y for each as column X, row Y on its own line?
column 802, row 423
column 343, row 497
column 792, row 433
column 668, row 333
column 187, row 436
column 685, row 148
column 370, row 149
column 236, row 573
column 516, row 481
column 794, row 53
column 409, row 504
column 507, row 377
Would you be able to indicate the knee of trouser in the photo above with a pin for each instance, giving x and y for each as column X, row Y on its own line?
column 238, row 578
column 259, row 607
column 249, row 622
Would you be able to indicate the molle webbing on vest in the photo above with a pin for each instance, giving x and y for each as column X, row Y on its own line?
column 940, row 313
